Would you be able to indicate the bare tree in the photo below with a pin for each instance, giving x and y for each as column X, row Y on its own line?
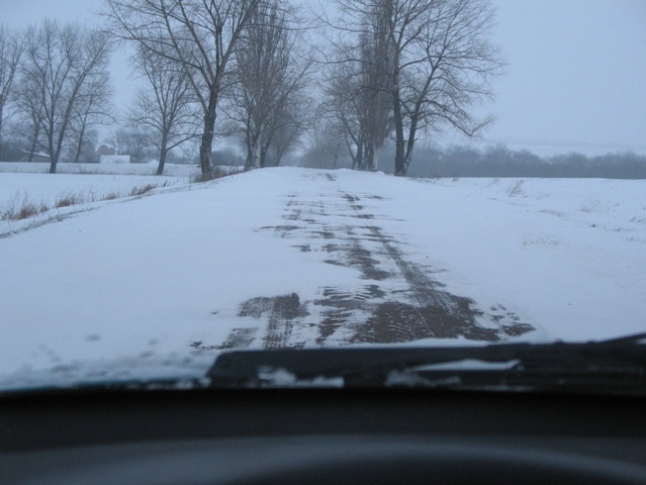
column 288, row 125
column 343, row 106
column 200, row 35
column 27, row 97
column 167, row 106
column 11, row 48
column 267, row 82
column 324, row 150
column 440, row 63
column 359, row 90
column 59, row 66
column 85, row 146
column 93, row 107
column 375, row 85
column 32, row 112
column 136, row 143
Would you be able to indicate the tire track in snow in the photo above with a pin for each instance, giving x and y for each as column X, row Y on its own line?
column 281, row 313
column 393, row 300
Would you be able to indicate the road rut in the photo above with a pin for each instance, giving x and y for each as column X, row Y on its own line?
column 393, row 299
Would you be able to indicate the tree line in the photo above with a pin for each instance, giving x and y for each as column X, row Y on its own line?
column 379, row 70
column 500, row 161
column 54, row 80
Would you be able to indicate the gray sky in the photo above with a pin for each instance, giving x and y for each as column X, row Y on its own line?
column 577, row 75
column 575, row 80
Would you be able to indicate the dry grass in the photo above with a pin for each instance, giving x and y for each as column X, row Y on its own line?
column 20, row 208
column 111, row 196
column 516, row 189
column 68, row 199
column 27, row 210
column 141, row 190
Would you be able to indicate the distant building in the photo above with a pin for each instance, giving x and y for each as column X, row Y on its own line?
column 104, row 150
column 36, row 157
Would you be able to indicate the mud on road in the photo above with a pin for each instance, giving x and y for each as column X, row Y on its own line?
column 392, row 300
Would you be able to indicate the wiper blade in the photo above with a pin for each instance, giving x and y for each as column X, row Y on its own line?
column 637, row 338
column 614, row 365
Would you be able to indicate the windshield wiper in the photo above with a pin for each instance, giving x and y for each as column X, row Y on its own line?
column 617, row 365
column 636, row 338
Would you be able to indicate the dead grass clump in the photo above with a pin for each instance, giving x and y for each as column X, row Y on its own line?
column 68, row 199
column 20, row 208
column 111, row 196
column 28, row 209
column 516, row 189
column 141, row 190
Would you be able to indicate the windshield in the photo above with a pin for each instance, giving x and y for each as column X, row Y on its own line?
column 176, row 184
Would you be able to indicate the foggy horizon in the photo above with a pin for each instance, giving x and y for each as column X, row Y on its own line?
column 554, row 97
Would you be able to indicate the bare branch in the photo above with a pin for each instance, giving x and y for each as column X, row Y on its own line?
column 64, row 84
column 12, row 45
column 199, row 35
column 167, row 106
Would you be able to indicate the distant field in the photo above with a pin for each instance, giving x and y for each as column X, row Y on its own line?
column 100, row 168
column 45, row 188
column 28, row 194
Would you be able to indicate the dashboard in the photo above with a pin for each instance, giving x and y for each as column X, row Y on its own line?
column 320, row 436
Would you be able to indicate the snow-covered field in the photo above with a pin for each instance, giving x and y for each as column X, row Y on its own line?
column 23, row 184
column 150, row 168
column 157, row 285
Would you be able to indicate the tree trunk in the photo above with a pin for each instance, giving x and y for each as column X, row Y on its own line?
column 34, row 140
column 162, row 155
column 249, row 159
column 398, row 120
column 205, row 151
column 162, row 161
column 375, row 158
column 53, row 154
column 412, row 132
column 1, row 114
column 257, row 161
column 263, row 156
column 80, row 144
column 207, row 137
column 53, row 161
column 264, row 150
column 359, row 157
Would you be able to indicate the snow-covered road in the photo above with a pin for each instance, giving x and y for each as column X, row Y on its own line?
column 287, row 257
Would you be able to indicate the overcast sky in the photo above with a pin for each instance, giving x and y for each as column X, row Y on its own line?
column 575, row 80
